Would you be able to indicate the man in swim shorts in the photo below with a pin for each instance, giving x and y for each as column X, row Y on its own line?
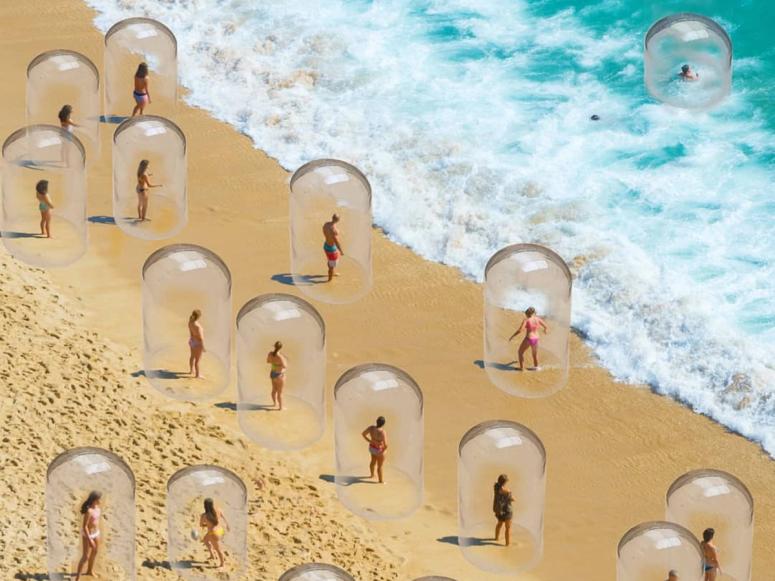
column 332, row 246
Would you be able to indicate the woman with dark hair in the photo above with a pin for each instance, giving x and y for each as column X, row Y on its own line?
column 90, row 533
column 45, row 206
column 141, row 93
column 143, row 185
column 65, row 118
column 377, row 438
column 531, row 323
column 501, row 506
column 279, row 364
column 196, row 341
column 211, row 520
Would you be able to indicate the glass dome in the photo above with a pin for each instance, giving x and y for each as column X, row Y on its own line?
column 526, row 356
column 195, row 543
column 712, row 499
column 44, row 193
column 187, row 322
column 94, row 489
column 129, row 43
column 366, row 398
column 330, row 216
column 434, row 578
column 649, row 551
column 687, row 61
column 291, row 377
column 149, row 177
column 63, row 88
column 316, row 572
column 501, row 484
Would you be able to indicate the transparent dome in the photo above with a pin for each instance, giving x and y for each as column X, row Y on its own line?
column 60, row 78
column 189, row 534
column 649, row 551
column 704, row 499
column 294, row 376
column 186, row 288
column 321, row 190
column 434, row 578
column 487, row 452
column 92, row 484
column 129, row 43
column 518, row 278
column 316, row 572
column 362, row 395
column 155, row 148
column 49, row 159
column 687, row 61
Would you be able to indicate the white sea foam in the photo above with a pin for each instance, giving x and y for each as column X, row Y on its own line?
column 471, row 120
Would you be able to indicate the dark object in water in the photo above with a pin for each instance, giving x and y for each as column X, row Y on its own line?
column 595, row 117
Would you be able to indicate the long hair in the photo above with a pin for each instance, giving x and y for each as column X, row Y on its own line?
column 65, row 112
column 210, row 512
column 87, row 504
column 502, row 479
column 42, row 187
column 195, row 314
column 142, row 167
column 277, row 346
column 142, row 71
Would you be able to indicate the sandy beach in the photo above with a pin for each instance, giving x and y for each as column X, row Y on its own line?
column 70, row 345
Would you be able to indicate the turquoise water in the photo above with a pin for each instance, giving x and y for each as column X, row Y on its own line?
column 471, row 119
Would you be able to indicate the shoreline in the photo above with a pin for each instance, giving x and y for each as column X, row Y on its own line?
column 426, row 319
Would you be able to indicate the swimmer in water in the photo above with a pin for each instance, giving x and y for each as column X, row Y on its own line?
column 90, row 533
column 531, row 324
column 213, row 520
column 196, row 342
column 143, row 185
column 377, row 438
column 710, row 562
column 141, row 93
column 45, row 206
column 501, row 506
column 279, row 364
column 687, row 74
column 332, row 246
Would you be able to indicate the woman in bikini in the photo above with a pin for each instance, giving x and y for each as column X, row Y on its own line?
column 501, row 506
column 377, row 438
column 211, row 520
column 143, row 185
column 141, row 93
column 531, row 324
column 45, row 206
column 90, row 533
column 279, row 364
column 196, row 342
column 710, row 562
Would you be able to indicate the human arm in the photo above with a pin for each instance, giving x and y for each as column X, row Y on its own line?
column 544, row 326
column 338, row 243
column 365, row 436
column 47, row 200
column 384, row 441
column 85, row 529
column 223, row 518
column 518, row 331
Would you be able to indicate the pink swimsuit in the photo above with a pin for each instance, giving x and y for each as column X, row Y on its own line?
column 532, row 327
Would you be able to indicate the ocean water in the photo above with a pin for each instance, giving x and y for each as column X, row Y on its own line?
column 471, row 120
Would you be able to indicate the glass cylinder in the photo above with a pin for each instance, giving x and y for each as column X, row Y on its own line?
column 44, row 194
column 281, row 388
column 501, row 484
column 128, row 44
column 149, row 178
column 90, row 515
column 434, row 578
column 652, row 550
column 712, row 499
column 63, row 88
column 207, row 517
column 381, row 479
column 186, row 322
column 330, row 216
column 527, row 304
column 316, row 572
column 687, row 61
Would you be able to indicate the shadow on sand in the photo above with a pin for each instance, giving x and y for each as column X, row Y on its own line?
column 300, row 280
column 113, row 118
column 250, row 407
column 102, row 220
column 481, row 364
column 20, row 235
column 468, row 541
column 161, row 374
column 347, row 480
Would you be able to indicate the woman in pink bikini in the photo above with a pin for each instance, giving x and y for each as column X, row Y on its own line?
column 90, row 533
column 196, row 342
column 377, row 438
column 531, row 324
